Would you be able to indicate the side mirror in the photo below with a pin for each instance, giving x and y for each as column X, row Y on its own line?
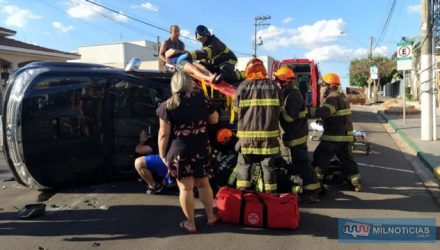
column 133, row 64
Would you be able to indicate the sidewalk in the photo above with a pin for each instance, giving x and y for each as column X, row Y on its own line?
column 427, row 151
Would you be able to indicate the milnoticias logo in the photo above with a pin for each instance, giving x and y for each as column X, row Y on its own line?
column 356, row 229
column 387, row 230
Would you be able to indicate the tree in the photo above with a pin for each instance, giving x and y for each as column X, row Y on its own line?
column 360, row 73
column 360, row 70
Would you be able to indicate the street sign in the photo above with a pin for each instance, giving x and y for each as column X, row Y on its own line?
column 374, row 72
column 404, row 56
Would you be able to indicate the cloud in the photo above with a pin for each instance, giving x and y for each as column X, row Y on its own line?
column 309, row 36
column 16, row 16
column 83, row 10
column 288, row 19
column 413, row 9
column 337, row 53
column 150, row 6
column 120, row 17
column 147, row 5
column 186, row 33
column 59, row 26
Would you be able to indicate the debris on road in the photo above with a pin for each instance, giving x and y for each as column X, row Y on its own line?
column 96, row 244
column 54, row 206
column 9, row 179
column 30, row 211
column 91, row 202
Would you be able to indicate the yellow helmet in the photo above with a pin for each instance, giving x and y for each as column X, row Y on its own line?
column 331, row 79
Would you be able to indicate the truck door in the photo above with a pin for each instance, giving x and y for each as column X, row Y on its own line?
column 62, row 128
column 134, row 105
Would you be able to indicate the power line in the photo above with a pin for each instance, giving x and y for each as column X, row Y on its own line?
column 146, row 23
column 386, row 25
column 119, row 13
column 63, row 11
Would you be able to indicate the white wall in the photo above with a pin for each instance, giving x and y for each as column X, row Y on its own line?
column 102, row 54
column 117, row 54
column 267, row 61
column 142, row 49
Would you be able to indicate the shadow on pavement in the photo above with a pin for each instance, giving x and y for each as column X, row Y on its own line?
column 387, row 184
column 119, row 222
column 135, row 222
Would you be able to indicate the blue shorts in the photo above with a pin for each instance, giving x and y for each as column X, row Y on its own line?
column 179, row 61
column 156, row 166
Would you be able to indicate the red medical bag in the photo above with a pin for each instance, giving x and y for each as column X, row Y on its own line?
column 258, row 209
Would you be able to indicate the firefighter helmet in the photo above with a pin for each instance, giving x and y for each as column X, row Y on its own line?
column 255, row 69
column 331, row 79
column 201, row 30
column 224, row 135
column 284, row 74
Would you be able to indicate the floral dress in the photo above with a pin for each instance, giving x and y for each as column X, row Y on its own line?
column 188, row 153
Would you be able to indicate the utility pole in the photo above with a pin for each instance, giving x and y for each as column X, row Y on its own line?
column 371, row 92
column 370, row 51
column 157, row 47
column 257, row 23
column 426, row 99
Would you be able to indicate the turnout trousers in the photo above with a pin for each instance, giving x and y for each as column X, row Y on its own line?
column 343, row 150
column 301, row 164
column 244, row 171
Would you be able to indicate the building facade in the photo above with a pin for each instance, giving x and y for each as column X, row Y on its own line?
column 119, row 54
column 15, row 54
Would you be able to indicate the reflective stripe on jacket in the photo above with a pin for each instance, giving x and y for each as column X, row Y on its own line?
column 336, row 113
column 258, row 104
column 293, row 119
column 214, row 52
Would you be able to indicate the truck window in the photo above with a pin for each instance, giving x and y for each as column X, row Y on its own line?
column 134, row 110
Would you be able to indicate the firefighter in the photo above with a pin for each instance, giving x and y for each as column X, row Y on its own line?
column 258, row 103
column 293, row 121
column 337, row 137
column 215, row 56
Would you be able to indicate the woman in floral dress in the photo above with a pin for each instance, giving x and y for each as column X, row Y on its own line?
column 184, row 147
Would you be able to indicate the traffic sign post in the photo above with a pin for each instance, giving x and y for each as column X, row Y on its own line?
column 374, row 72
column 404, row 62
column 374, row 75
column 404, row 56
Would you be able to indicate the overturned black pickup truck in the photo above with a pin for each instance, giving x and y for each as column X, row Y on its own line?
column 65, row 124
column 68, row 124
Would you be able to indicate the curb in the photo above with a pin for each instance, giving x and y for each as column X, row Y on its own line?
column 420, row 154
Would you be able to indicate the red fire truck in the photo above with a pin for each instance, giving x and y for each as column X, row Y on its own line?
column 308, row 77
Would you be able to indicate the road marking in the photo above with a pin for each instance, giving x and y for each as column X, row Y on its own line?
column 387, row 168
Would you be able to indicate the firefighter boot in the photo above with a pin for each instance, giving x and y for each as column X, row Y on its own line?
column 312, row 196
column 320, row 173
column 355, row 181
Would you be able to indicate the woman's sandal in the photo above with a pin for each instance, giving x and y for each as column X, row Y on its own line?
column 183, row 226
column 212, row 223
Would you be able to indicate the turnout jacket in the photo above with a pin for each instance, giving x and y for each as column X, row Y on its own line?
column 294, row 118
column 258, row 104
column 214, row 52
column 336, row 113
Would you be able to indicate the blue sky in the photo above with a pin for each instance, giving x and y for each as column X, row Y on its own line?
column 331, row 32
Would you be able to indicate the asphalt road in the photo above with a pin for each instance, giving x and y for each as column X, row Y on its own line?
column 119, row 215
